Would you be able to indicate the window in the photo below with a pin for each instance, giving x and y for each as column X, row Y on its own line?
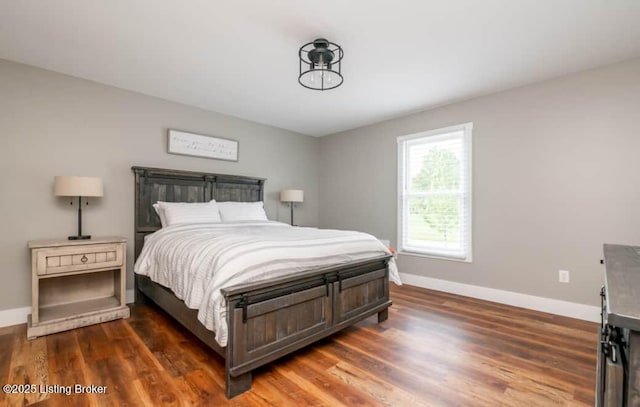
column 434, row 193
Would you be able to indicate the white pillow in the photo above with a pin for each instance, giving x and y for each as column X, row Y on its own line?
column 235, row 211
column 160, row 212
column 188, row 212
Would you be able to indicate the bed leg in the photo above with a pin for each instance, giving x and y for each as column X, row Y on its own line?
column 383, row 315
column 238, row 385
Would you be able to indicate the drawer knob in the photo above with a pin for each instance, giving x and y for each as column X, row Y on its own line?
column 83, row 259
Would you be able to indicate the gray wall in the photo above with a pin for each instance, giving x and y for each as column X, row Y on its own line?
column 52, row 124
column 556, row 173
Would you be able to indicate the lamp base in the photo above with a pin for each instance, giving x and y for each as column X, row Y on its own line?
column 80, row 237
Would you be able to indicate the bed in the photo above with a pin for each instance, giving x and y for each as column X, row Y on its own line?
column 265, row 319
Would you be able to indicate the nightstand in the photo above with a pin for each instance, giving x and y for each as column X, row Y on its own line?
column 76, row 283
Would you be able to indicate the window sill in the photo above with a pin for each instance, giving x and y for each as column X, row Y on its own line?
column 433, row 256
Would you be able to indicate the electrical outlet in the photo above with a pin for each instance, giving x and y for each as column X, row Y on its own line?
column 563, row 276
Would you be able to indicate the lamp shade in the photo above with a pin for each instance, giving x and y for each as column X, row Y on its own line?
column 292, row 195
column 77, row 186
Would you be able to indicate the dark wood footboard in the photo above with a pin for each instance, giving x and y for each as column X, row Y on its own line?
column 274, row 318
column 270, row 319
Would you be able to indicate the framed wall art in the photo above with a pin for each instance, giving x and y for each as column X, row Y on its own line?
column 198, row 145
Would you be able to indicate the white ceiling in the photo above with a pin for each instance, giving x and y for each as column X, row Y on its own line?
column 239, row 57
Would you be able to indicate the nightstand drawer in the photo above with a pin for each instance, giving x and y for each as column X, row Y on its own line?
column 78, row 258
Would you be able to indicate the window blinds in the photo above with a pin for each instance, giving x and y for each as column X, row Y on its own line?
column 434, row 193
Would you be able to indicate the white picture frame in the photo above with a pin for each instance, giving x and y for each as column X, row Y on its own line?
column 198, row 145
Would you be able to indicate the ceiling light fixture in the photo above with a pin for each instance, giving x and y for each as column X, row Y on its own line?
column 320, row 64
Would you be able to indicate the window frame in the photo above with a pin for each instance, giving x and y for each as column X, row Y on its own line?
column 467, row 193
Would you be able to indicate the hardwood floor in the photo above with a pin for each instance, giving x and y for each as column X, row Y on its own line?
column 435, row 349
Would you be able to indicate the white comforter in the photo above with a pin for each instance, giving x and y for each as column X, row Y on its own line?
column 195, row 261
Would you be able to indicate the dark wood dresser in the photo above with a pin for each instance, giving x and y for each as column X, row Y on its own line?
column 618, row 382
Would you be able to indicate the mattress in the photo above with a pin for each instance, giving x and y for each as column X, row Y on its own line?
column 196, row 260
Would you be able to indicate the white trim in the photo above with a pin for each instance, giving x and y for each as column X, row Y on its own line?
column 14, row 316
column 543, row 304
column 467, row 140
column 466, row 127
column 468, row 135
column 399, row 190
column 130, row 296
column 17, row 316
column 432, row 256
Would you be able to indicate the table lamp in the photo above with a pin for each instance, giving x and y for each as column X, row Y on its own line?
column 78, row 186
column 292, row 196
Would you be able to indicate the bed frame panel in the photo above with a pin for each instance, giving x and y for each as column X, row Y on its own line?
column 267, row 319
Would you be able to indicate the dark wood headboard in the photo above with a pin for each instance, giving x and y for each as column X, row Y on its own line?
column 156, row 184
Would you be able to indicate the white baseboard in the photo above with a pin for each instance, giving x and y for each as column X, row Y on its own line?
column 130, row 296
column 17, row 316
column 550, row 305
column 14, row 316
column 568, row 309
